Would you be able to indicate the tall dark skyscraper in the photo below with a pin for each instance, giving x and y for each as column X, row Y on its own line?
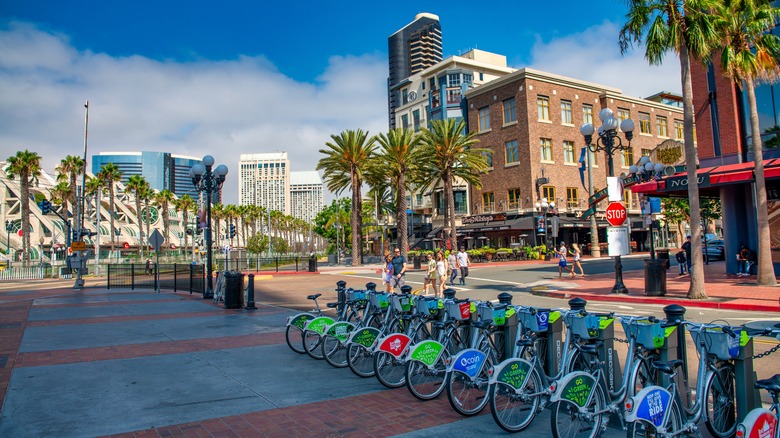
column 413, row 48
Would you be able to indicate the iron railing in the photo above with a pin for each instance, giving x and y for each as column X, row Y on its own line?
column 260, row 264
column 175, row 277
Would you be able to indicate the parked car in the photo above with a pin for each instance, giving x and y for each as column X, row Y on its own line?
column 715, row 250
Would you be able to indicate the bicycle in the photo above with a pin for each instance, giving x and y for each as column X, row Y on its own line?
column 660, row 410
column 360, row 344
column 335, row 335
column 390, row 351
column 296, row 323
column 762, row 422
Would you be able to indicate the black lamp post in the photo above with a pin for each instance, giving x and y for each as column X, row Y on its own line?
column 645, row 170
column 9, row 226
column 208, row 181
column 544, row 207
column 609, row 142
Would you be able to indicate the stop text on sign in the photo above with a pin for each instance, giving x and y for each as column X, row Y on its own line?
column 616, row 214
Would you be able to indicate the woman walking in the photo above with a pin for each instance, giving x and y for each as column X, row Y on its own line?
column 441, row 270
column 430, row 275
column 577, row 253
column 388, row 273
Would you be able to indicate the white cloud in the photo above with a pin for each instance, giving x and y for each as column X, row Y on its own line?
column 222, row 108
column 593, row 55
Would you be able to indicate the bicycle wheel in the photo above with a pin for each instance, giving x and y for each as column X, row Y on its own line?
column 643, row 374
column 641, row 429
column 294, row 336
column 721, row 396
column 568, row 422
column 334, row 351
column 360, row 360
column 468, row 397
column 389, row 370
column 421, row 332
column 312, row 343
column 423, row 382
column 514, row 410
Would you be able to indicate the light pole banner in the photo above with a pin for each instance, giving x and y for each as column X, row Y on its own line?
column 614, row 189
column 617, row 237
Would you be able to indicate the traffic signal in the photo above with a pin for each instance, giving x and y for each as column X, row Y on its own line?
column 75, row 236
column 45, row 206
column 232, row 231
column 188, row 231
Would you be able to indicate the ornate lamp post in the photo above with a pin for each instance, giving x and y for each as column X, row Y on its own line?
column 544, row 207
column 643, row 171
column 208, row 181
column 608, row 141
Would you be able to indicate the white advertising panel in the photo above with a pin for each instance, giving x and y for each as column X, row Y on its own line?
column 617, row 237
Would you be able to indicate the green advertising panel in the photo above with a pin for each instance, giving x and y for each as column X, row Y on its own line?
column 578, row 389
column 319, row 324
column 514, row 373
column 427, row 352
column 340, row 330
column 365, row 336
column 301, row 320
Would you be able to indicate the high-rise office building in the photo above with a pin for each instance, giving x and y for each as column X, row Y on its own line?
column 307, row 197
column 163, row 170
column 264, row 179
column 411, row 49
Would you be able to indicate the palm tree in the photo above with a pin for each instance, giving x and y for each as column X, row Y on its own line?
column 136, row 185
column 95, row 187
column 682, row 26
column 60, row 194
column 448, row 153
column 344, row 164
column 750, row 54
column 71, row 167
column 27, row 167
column 397, row 158
column 147, row 194
column 163, row 200
column 185, row 205
column 217, row 213
column 110, row 173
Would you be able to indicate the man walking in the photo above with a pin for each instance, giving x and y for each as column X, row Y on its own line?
column 687, row 248
column 463, row 263
column 399, row 269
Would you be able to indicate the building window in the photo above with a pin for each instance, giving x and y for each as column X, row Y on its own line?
column 488, row 158
column 568, row 152
column 404, row 96
column 419, row 197
column 543, row 107
column 512, row 153
column 416, row 119
column 487, row 201
column 566, row 118
column 405, row 121
column 622, row 114
column 545, row 145
column 572, row 200
column 663, row 129
column 679, row 130
column 646, row 152
column 484, row 118
column 514, row 199
column 644, row 123
column 628, row 201
column 453, row 80
column 587, row 114
column 510, row 115
column 468, row 79
column 549, row 193
column 628, row 157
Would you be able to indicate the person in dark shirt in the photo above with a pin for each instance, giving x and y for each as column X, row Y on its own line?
column 687, row 248
column 399, row 269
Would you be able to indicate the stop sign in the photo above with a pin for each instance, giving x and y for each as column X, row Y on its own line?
column 616, row 214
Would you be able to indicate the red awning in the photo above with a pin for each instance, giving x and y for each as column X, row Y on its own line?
column 732, row 173
column 648, row 187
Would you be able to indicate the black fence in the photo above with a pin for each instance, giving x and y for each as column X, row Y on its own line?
column 176, row 277
column 272, row 264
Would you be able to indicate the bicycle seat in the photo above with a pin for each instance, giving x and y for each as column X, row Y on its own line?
column 481, row 324
column 525, row 342
column 591, row 348
column 771, row 384
column 668, row 366
column 333, row 305
column 314, row 297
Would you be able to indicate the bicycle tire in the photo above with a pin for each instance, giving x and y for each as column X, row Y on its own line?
column 674, row 424
column 514, row 410
column 360, row 360
column 643, row 374
column 423, row 382
column 294, row 337
column 468, row 397
column 421, row 333
column 334, row 351
column 721, row 397
column 312, row 343
column 567, row 422
column 389, row 370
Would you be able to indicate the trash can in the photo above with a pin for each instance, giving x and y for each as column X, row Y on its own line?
column 655, row 277
column 417, row 262
column 234, row 290
column 663, row 255
column 312, row 264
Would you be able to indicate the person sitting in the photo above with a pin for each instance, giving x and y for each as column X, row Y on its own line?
column 743, row 260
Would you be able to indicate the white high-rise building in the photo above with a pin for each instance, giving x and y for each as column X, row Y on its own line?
column 307, row 196
column 264, row 179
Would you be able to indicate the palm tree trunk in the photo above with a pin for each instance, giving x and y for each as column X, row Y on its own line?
column 357, row 229
column 140, row 224
column 696, row 289
column 25, row 204
column 766, row 270
column 111, row 215
column 449, row 216
column 401, row 218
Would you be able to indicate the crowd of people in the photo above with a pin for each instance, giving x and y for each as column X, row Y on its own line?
column 440, row 270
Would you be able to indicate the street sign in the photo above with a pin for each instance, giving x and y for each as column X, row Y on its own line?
column 156, row 240
column 78, row 246
column 616, row 214
column 618, row 241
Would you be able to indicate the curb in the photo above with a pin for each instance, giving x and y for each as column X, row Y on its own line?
column 664, row 301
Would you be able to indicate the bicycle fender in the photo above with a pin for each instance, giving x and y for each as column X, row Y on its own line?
column 340, row 330
column 514, row 372
column 318, row 324
column 427, row 352
column 395, row 344
column 759, row 423
column 300, row 319
column 576, row 387
column 469, row 362
column 651, row 405
column 366, row 337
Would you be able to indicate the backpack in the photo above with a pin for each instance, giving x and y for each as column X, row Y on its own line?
column 680, row 257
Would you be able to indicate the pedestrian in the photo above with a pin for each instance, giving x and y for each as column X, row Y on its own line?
column 387, row 274
column 682, row 262
column 399, row 269
column 148, row 267
column 452, row 261
column 463, row 262
column 687, row 248
column 430, row 275
column 743, row 259
column 561, row 254
column 441, row 271
column 577, row 253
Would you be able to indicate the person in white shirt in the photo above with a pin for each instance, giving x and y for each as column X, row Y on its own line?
column 453, row 267
column 463, row 263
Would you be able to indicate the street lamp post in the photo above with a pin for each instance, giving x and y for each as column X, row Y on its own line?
column 208, row 181
column 9, row 226
column 543, row 207
column 40, row 255
column 645, row 170
column 608, row 141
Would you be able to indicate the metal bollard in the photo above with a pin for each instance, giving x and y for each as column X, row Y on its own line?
column 371, row 286
column 676, row 313
column 505, row 298
column 449, row 294
column 341, row 294
column 577, row 304
column 250, row 292
column 510, row 326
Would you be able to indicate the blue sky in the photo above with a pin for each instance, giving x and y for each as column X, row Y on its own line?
column 237, row 77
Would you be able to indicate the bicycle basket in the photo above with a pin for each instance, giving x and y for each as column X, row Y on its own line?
column 357, row 296
column 536, row 322
column 648, row 334
column 401, row 303
column 458, row 311
column 379, row 300
column 718, row 342
column 584, row 326
column 428, row 306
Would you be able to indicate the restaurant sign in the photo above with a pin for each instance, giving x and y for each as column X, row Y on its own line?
column 484, row 218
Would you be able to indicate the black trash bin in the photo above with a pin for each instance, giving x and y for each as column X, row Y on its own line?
column 312, row 264
column 663, row 255
column 234, row 290
column 655, row 277
column 417, row 262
